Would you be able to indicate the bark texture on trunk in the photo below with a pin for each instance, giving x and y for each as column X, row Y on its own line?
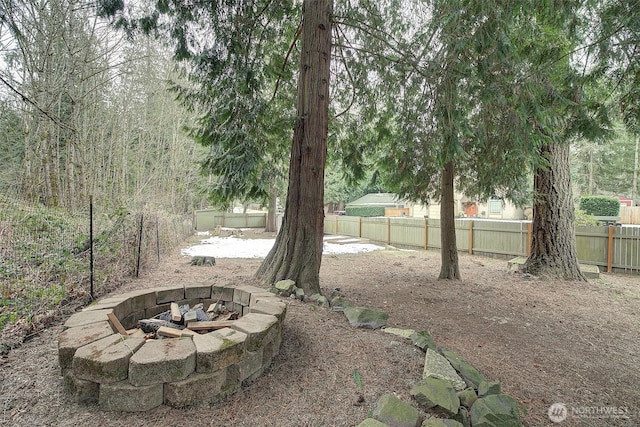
column 449, row 268
column 297, row 252
column 553, row 242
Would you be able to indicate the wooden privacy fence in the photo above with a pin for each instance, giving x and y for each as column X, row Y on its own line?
column 613, row 248
column 630, row 214
column 208, row 219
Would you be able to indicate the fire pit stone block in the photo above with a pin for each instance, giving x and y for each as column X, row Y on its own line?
column 260, row 328
column 141, row 299
column 120, row 306
column 251, row 367
column 87, row 317
column 84, row 391
column 106, row 360
column 72, row 339
column 131, row 320
column 272, row 307
column 168, row 295
column 215, row 351
column 222, row 293
column 197, row 290
column 242, row 294
column 195, row 389
column 160, row 361
column 122, row 396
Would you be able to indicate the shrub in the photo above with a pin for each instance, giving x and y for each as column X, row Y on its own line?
column 600, row 205
column 365, row 210
column 583, row 218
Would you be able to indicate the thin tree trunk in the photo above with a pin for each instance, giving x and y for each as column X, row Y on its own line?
column 591, row 185
column 297, row 252
column 449, row 268
column 272, row 209
column 553, row 242
column 634, row 185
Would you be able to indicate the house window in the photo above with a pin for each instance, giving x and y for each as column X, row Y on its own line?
column 495, row 206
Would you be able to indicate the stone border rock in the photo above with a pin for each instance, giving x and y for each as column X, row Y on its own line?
column 128, row 373
column 451, row 388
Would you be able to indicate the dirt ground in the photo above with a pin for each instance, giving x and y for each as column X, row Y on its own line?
column 545, row 341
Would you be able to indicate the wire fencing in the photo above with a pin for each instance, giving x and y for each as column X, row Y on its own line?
column 54, row 260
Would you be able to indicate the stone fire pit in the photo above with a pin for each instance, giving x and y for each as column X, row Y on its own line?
column 126, row 372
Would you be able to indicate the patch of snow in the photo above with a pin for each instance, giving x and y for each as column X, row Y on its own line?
column 332, row 237
column 234, row 247
column 230, row 247
column 349, row 248
column 349, row 240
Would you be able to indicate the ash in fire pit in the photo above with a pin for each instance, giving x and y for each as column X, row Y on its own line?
column 211, row 356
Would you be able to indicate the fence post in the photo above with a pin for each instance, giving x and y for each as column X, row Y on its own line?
column 470, row 237
column 359, row 227
column 529, row 233
column 426, row 234
column 157, row 238
column 610, row 250
column 139, row 245
column 91, row 247
column 388, row 231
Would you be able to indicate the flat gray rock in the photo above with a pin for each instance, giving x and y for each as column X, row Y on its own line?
column 423, row 340
column 394, row 412
column 470, row 374
column 285, row 286
column 436, row 393
column 437, row 366
column 339, row 303
column 404, row 333
column 362, row 317
column 495, row 410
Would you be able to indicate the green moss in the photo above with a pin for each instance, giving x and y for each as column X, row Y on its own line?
column 226, row 343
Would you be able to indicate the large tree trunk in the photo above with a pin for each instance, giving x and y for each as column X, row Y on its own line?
column 297, row 252
column 553, row 242
column 449, row 268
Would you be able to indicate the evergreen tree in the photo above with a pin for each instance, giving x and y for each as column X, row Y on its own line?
column 233, row 50
column 297, row 253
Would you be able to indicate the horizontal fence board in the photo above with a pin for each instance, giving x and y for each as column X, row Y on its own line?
column 503, row 238
column 208, row 219
column 462, row 235
column 630, row 214
column 349, row 226
column 434, row 233
column 374, row 228
column 626, row 247
column 592, row 243
column 407, row 232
